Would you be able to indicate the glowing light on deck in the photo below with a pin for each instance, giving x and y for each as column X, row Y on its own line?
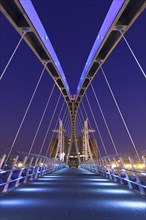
column 32, row 190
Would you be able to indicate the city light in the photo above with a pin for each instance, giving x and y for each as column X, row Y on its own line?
column 20, row 165
column 128, row 166
column 41, row 164
column 113, row 166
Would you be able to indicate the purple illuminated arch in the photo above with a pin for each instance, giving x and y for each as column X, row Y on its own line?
column 32, row 14
column 111, row 15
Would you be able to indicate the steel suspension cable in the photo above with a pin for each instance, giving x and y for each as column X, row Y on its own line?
column 96, row 124
column 81, row 113
column 12, row 55
column 66, row 118
column 79, row 123
column 32, row 144
column 64, row 113
column 59, row 116
column 133, row 54
column 121, row 115
column 50, row 124
column 103, row 116
column 80, row 120
column 25, row 114
column 54, row 129
column 90, row 125
column 66, row 122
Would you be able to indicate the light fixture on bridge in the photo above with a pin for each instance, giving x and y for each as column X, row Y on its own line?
column 46, row 37
column 39, row 182
column 99, row 37
column 132, row 204
column 16, row 202
column 98, row 180
column 106, row 184
column 114, row 191
column 32, row 190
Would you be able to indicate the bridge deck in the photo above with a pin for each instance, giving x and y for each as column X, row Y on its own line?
column 72, row 194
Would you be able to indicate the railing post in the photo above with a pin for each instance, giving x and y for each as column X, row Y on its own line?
column 96, row 165
column 47, row 165
column 102, row 167
column 20, row 172
column 53, row 164
column 38, row 168
column 34, row 169
column 38, row 171
column 126, row 174
column 137, row 177
column 43, row 167
column 112, row 168
column 108, row 168
column 27, row 173
column 2, row 160
column 5, row 189
column 117, row 168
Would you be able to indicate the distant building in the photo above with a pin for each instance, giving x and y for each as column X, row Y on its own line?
column 71, row 156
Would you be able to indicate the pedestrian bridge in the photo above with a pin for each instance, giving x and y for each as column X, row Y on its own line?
column 69, row 175
column 70, row 194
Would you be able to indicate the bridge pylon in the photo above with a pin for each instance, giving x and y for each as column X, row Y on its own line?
column 86, row 146
column 60, row 146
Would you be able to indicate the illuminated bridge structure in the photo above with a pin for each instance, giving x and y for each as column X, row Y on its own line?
column 74, row 183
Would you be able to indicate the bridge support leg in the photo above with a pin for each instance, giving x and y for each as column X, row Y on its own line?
column 126, row 174
column 28, row 170
column 2, row 160
column 137, row 177
column 20, row 172
column 5, row 189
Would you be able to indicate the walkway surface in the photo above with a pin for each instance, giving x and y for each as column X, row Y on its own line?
column 72, row 194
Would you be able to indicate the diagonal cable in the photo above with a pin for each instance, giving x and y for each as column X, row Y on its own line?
column 50, row 124
column 31, row 147
column 25, row 114
column 133, row 54
column 54, row 129
column 66, row 118
column 12, row 56
column 101, row 111
column 121, row 115
column 64, row 113
column 96, row 124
